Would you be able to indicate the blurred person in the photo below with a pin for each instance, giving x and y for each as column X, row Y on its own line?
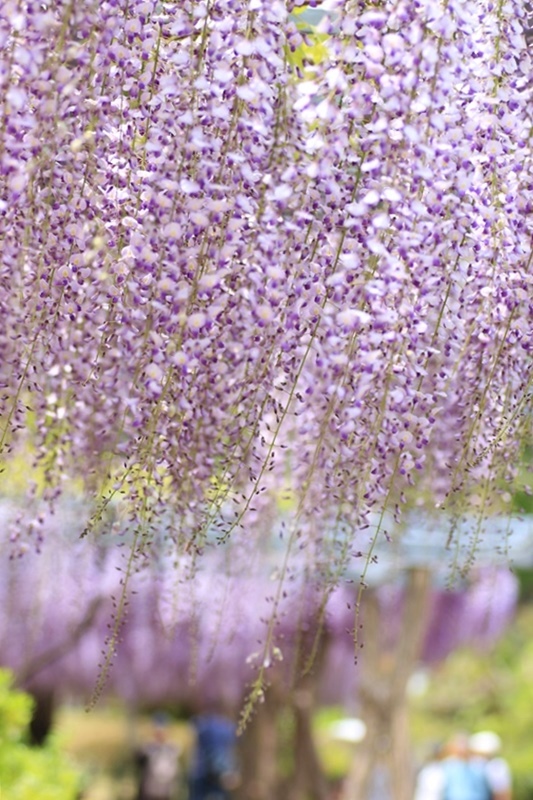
column 158, row 764
column 214, row 773
column 486, row 746
column 429, row 781
column 457, row 776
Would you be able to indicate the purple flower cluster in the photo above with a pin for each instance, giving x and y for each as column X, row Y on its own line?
column 225, row 277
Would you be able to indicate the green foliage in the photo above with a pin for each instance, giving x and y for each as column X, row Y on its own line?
column 525, row 577
column 523, row 502
column 313, row 50
column 29, row 772
column 336, row 755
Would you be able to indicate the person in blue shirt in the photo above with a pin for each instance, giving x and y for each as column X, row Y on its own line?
column 486, row 746
column 213, row 773
column 455, row 776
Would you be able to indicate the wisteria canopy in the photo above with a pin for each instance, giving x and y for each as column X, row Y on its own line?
column 263, row 259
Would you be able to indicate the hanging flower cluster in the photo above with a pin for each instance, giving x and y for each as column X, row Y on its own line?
column 236, row 273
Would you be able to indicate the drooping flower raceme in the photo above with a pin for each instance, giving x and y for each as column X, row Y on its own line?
column 234, row 275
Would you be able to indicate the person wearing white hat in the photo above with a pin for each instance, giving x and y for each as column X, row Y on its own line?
column 486, row 745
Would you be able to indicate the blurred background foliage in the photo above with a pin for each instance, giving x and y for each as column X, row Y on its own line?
column 471, row 690
column 26, row 772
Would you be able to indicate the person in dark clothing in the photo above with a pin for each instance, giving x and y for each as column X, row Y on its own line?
column 214, row 773
column 158, row 765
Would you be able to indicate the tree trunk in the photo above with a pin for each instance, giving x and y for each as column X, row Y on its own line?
column 383, row 763
column 307, row 781
column 263, row 738
column 42, row 716
column 258, row 752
